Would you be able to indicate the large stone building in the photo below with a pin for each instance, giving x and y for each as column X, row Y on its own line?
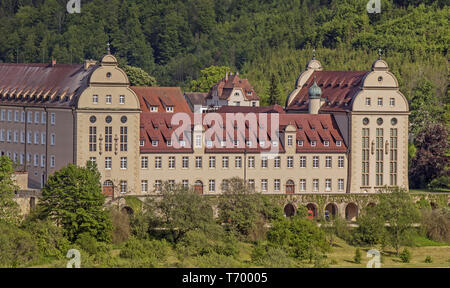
column 340, row 132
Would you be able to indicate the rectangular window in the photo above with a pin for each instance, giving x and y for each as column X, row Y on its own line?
column 22, row 117
column 290, row 162
column 123, row 162
column 313, row 143
column 341, row 184
column 16, row 137
column 42, row 160
column 123, row 139
column 92, row 138
column 185, row 183
column 93, row 159
column 171, row 162
column 380, row 101
column 328, row 185
column 158, row 162
column 2, row 135
column 251, row 183
column 36, row 117
column 290, row 141
column 53, row 118
column 142, row 143
column 328, row 162
column 36, row 137
column 238, row 162
column 43, row 138
column 29, row 138
column 198, row 141
column 122, row 99
column 393, row 158
column 16, row 116
column 123, row 187
column 277, row 162
column 379, row 157
column 43, row 117
column 158, row 185
column 341, row 162
column 303, row 185
column 212, row 185
column 108, row 162
column 22, row 136
column 108, row 139
column 144, row 186
column 251, row 162
column 264, row 185
column 52, row 161
column 326, row 143
column 108, row 99
column 365, row 157
column 225, row 162
column 338, row 143
column 367, row 101
column 198, row 162
column 2, row 115
column 302, row 161
column 155, row 143
column 276, row 185
column 144, row 162
column 169, row 109
column 392, row 102
column 300, row 143
column 315, row 161
column 315, row 185
column 212, row 162
column 95, row 99
column 185, row 162
column 154, row 109
column 264, row 162
column 30, row 117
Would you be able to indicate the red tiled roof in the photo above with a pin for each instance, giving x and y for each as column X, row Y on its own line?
column 38, row 84
column 195, row 98
column 318, row 127
column 339, row 87
column 249, row 109
column 161, row 97
column 226, row 86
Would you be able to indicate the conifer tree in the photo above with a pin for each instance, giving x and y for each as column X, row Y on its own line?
column 274, row 92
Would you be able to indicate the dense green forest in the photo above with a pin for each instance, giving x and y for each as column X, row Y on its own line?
column 267, row 41
column 173, row 40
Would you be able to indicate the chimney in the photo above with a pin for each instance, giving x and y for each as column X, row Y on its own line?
column 53, row 62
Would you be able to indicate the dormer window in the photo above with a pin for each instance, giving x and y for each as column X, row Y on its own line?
column 326, row 143
column 275, row 143
column 262, row 143
column 169, row 109
column 169, row 143
column 236, row 143
column 154, row 143
column 249, row 93
column 182, row 143
column 338, row 143
column 142, row 143
column 313, row 143
column 223, row 143
column 209, row 143
column 249, row 143
column 154, row 109
column 300, row 143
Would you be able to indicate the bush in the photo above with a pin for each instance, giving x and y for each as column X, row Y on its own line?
column 48, row 237
column 121, row 226
column 301, row 238
column 428, row 259
column 89, row 244
column 357, row 257
column 214, row 260
column 439, row 183
column 145, row 249
column 405, row 256
column 342, row 230
column 17, row 247
column 370, row 230
column 436, row 224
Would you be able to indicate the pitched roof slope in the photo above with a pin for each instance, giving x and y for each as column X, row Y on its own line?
column 226, row 85
column 161, row 97
column 59, row 85
column 338, row 87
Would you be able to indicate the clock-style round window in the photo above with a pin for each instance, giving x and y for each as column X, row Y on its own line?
column 108, row 75
column 394, row 121
column 92, row 119
column 379, row 121
column 108, row 119
column 366, row 121
column 123, row 119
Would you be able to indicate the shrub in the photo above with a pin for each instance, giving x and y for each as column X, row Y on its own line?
column 144, row 249
column 214, row 260
column 357, row 257
column 48, row 237
column 301, row 238
column 370, row 230
column 87, row 243
column 405, row 256
column 439, row 183
column 436, row 224
column 342, row 230
column 121, row 226
column 428, row 259
column 17, row 247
